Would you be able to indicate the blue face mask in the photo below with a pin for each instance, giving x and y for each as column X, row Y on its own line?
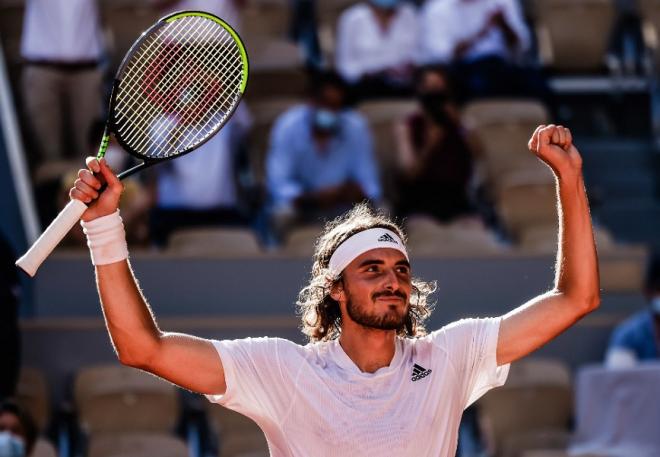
column 655, row 304
column 11, row 445
column 326, row 120
column 385, row 4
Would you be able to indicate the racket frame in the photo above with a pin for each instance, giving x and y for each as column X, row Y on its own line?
column 111, row 123
column 67, row 218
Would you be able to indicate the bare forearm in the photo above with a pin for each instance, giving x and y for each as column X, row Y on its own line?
column 577, row 263
column 129, row 320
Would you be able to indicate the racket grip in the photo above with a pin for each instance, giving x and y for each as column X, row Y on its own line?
column 51, row 237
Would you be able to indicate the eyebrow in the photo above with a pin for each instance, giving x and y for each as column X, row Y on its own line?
column 368, row 262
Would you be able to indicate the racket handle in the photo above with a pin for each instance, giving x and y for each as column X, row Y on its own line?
column 51, row 237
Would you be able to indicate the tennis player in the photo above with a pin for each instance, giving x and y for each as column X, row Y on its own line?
column 371, row 382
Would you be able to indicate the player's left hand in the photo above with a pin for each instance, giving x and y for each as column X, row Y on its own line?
column 553, row 144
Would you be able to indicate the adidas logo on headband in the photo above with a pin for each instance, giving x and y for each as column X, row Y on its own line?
column 387, row 238
column 362, row 242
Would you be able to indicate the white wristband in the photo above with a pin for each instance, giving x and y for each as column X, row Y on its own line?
column 106, row 239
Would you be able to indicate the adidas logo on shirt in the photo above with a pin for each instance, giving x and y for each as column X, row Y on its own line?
column 387, row 238
column 419, row 372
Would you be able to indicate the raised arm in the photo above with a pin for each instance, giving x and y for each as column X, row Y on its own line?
column 190, row 362
column 576, row 291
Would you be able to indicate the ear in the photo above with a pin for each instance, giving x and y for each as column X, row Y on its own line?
column 337, row 291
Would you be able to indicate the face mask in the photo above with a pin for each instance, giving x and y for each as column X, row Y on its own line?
column 385, row 4
column 655, row 304
column 11, row 445
column 326, row 120
column 434, row 104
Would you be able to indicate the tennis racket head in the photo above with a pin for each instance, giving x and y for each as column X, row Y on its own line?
column 177, row 86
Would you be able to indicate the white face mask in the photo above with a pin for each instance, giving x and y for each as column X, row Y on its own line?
column 655, row 304
column 11, row 445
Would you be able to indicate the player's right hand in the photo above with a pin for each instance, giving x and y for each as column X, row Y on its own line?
column 88, row 189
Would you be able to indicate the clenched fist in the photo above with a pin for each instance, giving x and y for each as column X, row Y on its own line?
column 97, row 186
column 553, row 144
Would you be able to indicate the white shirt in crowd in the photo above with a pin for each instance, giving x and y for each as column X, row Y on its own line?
column 224, row 9
column 445, row 23
column 61, row 30
column 205, row 178
column 364, row 47
column 313, row 400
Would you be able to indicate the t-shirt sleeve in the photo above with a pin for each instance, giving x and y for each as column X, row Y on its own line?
column 470, row 346
column 258, row 383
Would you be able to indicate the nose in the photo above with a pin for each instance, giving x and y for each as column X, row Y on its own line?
column 391, row 281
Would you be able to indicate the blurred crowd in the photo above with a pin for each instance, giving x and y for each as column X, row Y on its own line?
column 319, row 156
column 321, row 150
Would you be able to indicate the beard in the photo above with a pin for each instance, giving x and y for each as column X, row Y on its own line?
column 392, row 319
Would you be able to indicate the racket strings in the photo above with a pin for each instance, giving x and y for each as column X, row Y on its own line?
column 148, row 56
column 166, row 82
column 179, row 87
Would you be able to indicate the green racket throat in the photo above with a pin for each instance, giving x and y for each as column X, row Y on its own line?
column 105, row 141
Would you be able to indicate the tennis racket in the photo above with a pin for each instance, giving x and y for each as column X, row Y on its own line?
column 177, row 86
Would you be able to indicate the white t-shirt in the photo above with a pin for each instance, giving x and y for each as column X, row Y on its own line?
column 224, row 9
column 364, row 47
column 313, row 400
column 61, row 30
column 205, row 178
column 445, row 23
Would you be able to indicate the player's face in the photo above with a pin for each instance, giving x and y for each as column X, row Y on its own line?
column 376, row 289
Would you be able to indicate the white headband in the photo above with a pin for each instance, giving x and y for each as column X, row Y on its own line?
column 362, row 242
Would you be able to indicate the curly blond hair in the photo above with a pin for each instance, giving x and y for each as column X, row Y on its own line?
column 320, row 314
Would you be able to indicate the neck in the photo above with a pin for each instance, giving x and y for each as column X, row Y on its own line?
column 384, row 17
column 369, row 349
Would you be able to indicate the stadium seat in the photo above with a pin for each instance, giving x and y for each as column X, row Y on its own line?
column 43, row 448
column 124, row 23
column 214, row 242
column 543, row 240
column 546, row 453
column 328, row 13
column 32, row 395
column 300, row 241
column 137, row 445
column 531, row 411
column 501, row 129
column 523, row 207
column 262, row 19
column 238, row 435
column 428, row 238
column 126, row 412
column 276, row 63
column 565, row 43
column 622, row 270
column 117, row 399
column 381, row 116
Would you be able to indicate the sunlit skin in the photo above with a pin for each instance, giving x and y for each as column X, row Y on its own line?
column 374, row 297
column 193, row 362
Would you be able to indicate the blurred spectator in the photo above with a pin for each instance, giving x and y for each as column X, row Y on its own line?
column 320, row 159
column 228, row 10
column 376, row 47
column 9, row 332
column 637, row 339
column 200, row 189
column 18, row 433
column 435, row 158
column 62, row 48
column 304, row 31
column 484, row 41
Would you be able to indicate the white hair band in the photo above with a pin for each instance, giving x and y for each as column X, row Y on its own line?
column 362, row 242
